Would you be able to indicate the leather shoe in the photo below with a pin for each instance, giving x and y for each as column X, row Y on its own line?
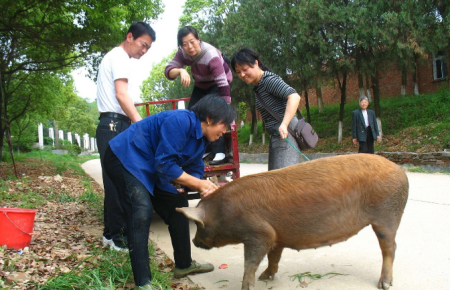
column 193, row 269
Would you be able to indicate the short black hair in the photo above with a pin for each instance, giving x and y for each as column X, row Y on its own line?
column 140, row 28
column 185, row 31
column 247, row 56
column 216, row 108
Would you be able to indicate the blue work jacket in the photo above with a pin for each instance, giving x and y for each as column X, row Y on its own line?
column 157, row 149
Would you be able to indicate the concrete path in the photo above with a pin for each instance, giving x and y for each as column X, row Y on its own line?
column 422, row 258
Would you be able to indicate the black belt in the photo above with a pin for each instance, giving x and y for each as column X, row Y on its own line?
column 115, row 115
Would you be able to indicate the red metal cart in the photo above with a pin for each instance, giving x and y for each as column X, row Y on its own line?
column 223, row 172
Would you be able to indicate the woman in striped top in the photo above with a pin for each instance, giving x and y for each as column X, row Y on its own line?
column 277, row 95
column 211, row 74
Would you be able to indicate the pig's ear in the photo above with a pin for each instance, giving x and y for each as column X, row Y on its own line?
column 193, row 213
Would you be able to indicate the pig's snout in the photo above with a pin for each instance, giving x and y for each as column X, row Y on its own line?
column 200, row 245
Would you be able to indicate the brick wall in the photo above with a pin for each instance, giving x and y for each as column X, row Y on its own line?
column 390, row 85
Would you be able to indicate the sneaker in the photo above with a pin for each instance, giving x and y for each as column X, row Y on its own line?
column 193, row 269
column 106, row 242
column 148, row 286
column 117, row 248
column 220, row 158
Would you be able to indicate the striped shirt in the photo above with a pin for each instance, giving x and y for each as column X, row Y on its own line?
column 209, row 71
column 274, row 92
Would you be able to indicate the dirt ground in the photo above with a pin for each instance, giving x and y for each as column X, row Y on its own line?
column 65, row 230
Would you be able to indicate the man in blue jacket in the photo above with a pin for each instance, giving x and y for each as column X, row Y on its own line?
column 145, row 162
column 364, row 127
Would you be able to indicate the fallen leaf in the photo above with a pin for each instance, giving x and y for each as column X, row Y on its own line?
column 223, row 266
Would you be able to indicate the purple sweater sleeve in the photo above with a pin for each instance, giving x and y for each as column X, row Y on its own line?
column 210, row 70
column 216, row 66
column 177, row 62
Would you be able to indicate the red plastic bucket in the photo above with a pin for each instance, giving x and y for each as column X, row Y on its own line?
column 16, row 227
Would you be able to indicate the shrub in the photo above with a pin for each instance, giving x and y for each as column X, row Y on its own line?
column 74, row 149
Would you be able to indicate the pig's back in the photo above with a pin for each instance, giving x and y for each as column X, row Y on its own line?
column 318, row 202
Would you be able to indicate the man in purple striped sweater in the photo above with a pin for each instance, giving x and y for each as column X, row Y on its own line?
column 210, row 71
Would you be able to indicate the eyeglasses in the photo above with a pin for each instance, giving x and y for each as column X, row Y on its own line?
column 144, row 44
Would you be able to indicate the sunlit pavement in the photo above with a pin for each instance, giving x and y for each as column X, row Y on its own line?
column 422, row 258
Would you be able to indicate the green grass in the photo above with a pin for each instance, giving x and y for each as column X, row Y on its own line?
column 397, row 114
column 106, row 269
column 424, row 170
column 425, row 118
column 26, row 199
column 62, row 162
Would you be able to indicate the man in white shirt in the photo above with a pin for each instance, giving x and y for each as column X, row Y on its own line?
column 364, row 127
column 117, row 112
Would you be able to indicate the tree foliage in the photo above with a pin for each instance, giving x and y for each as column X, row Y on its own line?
column 314, row 43
column 157, row 87
column 39, row 36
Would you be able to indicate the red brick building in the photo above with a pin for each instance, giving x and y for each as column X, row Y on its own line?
column 431, row 75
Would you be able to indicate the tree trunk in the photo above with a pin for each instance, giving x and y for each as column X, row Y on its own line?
column 8, row 137
column 369, row 95
column 416, row 85
column 254, row 124
column 56, row 134
column 404, row 81
column 2, row 117
column 380, row 128
column 361, row 85
column 319, row 98
column 343, row 88
column 263, row 133
column 18, row 145
column 376, row 93
column 2, row 138
column 308, row 115
column 376, row 99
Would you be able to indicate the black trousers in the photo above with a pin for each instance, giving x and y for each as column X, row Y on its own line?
column 113, row 216
column 217, row 146
column 138, row 205
column 367, row 147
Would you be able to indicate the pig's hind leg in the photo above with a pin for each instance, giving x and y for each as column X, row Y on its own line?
column 274, row 257
column 386, row 239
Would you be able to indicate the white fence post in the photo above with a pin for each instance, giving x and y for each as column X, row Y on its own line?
column 41, row 135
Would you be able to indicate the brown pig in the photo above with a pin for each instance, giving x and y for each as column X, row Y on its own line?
column 309, row 205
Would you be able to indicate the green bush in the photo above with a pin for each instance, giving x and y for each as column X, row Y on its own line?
column 48, row 141
column 244, row 133
column 74, row 149
column 397, row 114
column 242, row 110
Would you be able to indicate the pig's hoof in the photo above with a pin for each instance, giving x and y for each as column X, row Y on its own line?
column 266, row 275
column 384, row 285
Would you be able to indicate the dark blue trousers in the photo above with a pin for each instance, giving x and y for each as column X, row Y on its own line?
column 138, row 204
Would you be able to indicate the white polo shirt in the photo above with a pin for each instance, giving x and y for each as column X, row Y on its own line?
column 115, row 65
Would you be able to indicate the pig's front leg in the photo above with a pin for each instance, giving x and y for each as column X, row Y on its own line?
column 274, row 257
column 254, row 252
